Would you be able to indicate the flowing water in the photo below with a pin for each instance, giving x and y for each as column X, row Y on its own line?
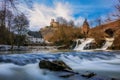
column 87, row 41
column 84, row 42
column 25, row 66
column 109, row 42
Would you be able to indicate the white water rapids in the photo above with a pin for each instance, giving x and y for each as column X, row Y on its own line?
column 84, row 42
column 109, row 42
column 25, row 66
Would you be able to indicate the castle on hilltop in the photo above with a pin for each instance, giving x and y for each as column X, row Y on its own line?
column 85, row 28
column 54, row 24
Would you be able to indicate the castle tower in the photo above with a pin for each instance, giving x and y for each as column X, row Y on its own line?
column 53, row 23
column 85, row 27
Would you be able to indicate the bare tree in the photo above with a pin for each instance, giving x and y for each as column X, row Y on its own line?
column 98, row 21
column 71, row 23
column 20, row 24
column 9, row 11
column 61, row 21
column 11, row 5
column 5, row 5
column 20, row 27
column 108, row 18
column 117, row 7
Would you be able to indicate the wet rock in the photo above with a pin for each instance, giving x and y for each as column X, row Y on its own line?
column 62, row 64
column 114, row 79
column 54, row 65
column 80, row 77
column 60, row 68
column 88, row 75
column 73, row 45
column 65, row 74
column 90, row 46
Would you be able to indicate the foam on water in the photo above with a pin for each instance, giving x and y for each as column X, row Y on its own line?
column 83, row 44
column 108, row 67
column 5, row 69
column 27, row 72
column 109, row 42
column 104, row 63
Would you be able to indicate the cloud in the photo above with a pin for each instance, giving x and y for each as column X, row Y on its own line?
column 41, row 14
column 79, row 21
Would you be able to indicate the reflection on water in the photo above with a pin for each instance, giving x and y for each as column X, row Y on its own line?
column 25, row 66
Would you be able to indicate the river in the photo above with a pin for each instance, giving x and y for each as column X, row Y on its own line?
column 24, row 66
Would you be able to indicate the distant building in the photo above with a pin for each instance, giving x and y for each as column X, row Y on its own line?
column 54, row 24
column 85, row 28
column 34, row 37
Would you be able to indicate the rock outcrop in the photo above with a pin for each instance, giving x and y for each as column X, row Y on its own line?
column 54, row 65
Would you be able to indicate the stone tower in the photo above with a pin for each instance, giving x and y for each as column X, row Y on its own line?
column 85, row 27
column 54, row 24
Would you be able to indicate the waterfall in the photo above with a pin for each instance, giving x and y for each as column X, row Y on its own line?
column 78, row 41
column 109, row 42
column 84, row 42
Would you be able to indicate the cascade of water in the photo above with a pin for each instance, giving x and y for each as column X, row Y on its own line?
column 78, row 42
column 84, row 42
column 102, row 63
column 109, row 42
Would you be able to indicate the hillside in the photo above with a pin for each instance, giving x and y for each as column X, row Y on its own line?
column 62, row 35
column 47, row 32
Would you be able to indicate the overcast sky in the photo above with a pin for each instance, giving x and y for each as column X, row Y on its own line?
column 44, row 10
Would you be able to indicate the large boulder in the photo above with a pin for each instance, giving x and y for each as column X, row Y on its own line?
column 55, row 65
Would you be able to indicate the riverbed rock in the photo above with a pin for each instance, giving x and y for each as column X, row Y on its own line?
column 88, row 75
column 55, row 65
column 89, row 46
column 63, row 69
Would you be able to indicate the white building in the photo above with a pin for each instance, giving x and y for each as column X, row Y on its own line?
column 35, row 37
